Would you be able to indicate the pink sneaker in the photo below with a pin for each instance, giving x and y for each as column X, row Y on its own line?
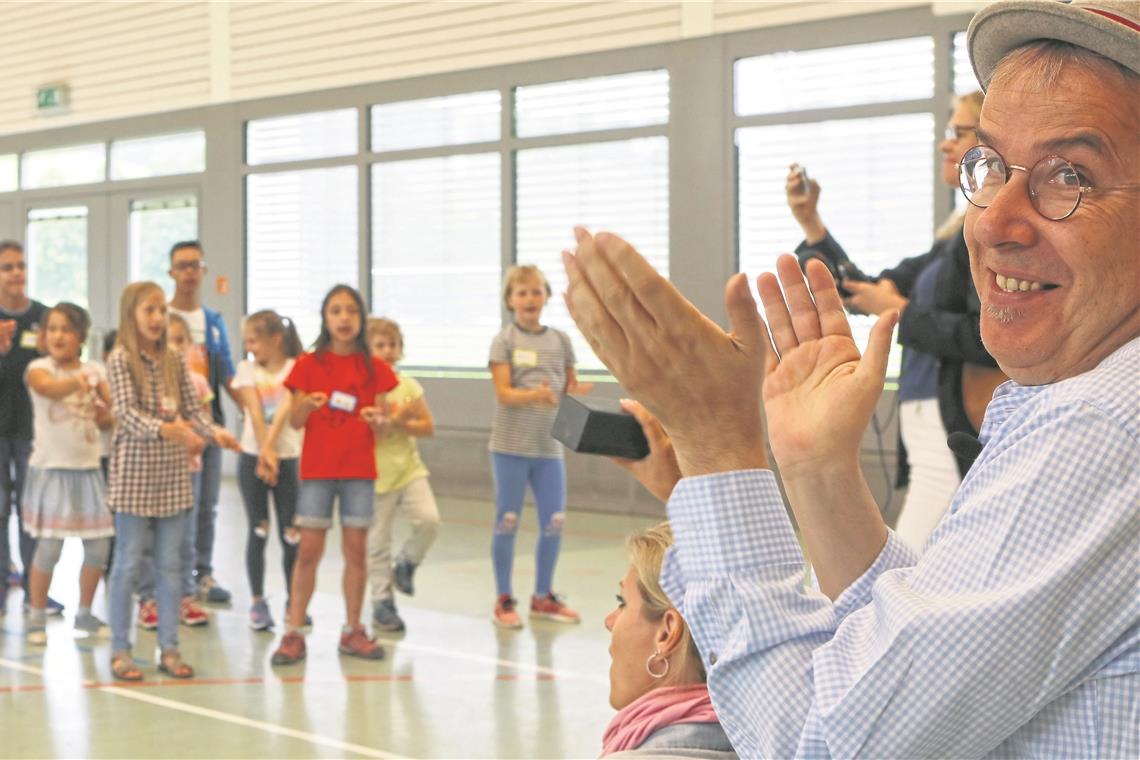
column 148, row 615
column 505, row 615
column 359, row 644
column 550, row 607
column 290, row 650
column 192, row 614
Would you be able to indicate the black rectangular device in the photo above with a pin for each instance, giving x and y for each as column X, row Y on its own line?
column 599, row 426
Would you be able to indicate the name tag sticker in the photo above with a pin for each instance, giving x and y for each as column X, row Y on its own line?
column 345, row 402
column 28, row 340
column 522, row 357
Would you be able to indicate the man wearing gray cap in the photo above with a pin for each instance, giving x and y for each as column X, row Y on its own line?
column 1017, row 633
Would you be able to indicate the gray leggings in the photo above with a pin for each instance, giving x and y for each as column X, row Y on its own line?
column 95, row 553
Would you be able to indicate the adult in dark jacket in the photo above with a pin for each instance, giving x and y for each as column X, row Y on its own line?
column 938, row 329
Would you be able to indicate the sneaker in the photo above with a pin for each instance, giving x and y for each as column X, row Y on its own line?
column 259, row 617
column 290, row 650
column 357, row 643
column 402, row 577
column 192, row 614
column 148, row 615
column 91, row 625
column 550, row 607
column 505, row 614
column 36, row 636
column 385, row 617
column 210, row 591
column 54, row 608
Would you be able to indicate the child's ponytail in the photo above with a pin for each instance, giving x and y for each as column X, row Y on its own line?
column 268, row 323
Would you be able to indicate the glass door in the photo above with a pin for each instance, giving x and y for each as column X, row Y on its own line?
column 154, row 224
column 56, row 242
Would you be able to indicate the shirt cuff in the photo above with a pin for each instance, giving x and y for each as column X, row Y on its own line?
column 895, row 554
column 729, row 523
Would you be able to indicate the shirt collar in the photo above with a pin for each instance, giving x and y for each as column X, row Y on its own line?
column 1011, row 396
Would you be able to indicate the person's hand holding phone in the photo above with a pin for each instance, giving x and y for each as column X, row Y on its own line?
column 803, row 199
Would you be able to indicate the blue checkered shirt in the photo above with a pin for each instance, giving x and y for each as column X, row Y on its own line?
column 1017, row 634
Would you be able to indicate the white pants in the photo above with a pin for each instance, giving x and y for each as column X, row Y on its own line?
column 933, row 471
column 417, row 502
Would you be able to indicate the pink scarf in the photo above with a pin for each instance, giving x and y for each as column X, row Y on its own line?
column 656, row 709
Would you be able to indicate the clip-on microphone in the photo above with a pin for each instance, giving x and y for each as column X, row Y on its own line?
column 965, row 446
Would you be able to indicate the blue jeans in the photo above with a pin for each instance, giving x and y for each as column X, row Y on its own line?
column 209, row 485
column 14, row 453
column 144, row 580
column 315, row 505
column 133, row 535
column 547, row 479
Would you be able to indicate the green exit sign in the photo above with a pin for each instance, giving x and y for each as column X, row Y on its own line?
column 52, row 98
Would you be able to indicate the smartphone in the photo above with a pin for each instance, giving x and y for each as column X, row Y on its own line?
column 805, row 188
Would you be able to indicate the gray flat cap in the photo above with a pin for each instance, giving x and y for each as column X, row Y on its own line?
column 1108, row 27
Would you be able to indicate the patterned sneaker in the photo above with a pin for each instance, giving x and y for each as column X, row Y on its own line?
column 385, row 617
column 192, row 614
column 259, row 617
column 505, row 615
column 358, row 644
column 148, row 615
column 209, row 591
column 290, row 650
column 90, row 624
column 402, row 575
column 550, row 607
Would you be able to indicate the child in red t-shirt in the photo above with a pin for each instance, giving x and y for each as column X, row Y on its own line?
column 338, row 398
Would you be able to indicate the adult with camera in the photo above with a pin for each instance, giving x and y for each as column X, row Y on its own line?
column 947, row 375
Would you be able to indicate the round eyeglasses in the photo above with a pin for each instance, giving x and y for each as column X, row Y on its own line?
column 1055, row 185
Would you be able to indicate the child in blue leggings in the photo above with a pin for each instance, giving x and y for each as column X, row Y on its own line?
column 531, row 366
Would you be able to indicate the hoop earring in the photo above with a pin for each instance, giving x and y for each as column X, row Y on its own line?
column 649, row 662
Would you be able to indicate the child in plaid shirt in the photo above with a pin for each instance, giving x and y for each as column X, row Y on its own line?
column 160, row 419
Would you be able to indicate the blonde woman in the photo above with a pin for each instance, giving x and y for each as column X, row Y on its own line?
column 947, row 376
column 657, row 680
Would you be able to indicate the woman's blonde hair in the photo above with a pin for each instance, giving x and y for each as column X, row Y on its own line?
column 389, row 329
column 128, row 340
column 949, row 228
column 646, row 554
column 522, row 272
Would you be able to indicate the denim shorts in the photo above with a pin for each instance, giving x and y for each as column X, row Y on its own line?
column 315, row 504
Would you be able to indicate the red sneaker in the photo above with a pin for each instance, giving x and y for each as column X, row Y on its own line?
column 290, row 650
column 358, row 644
column 505, row 615
column 192, row 614
column 550, row 607
column 148, row 615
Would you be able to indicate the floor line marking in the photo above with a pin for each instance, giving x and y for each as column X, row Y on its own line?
column 205, row 712
column 538, row 669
